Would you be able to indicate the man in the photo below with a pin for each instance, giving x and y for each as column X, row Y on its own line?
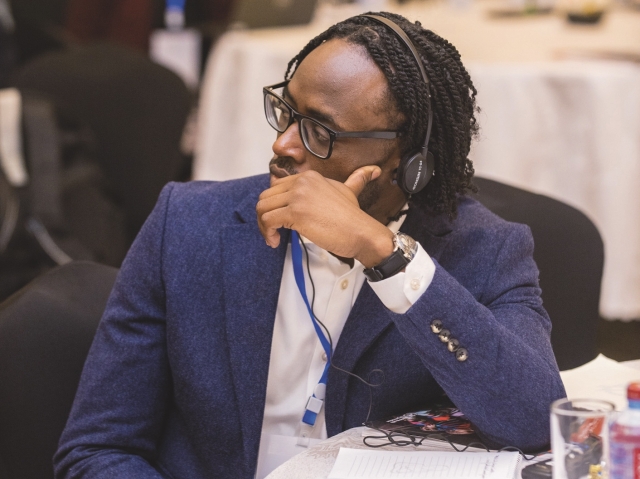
column 208, row 360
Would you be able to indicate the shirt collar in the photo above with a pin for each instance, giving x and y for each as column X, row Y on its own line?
column 395, row 226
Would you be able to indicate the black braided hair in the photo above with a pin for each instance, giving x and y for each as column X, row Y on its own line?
column 452, row 99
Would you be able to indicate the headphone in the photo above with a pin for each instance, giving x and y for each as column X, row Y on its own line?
column 415, row 170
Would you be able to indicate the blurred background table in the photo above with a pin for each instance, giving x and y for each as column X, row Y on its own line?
column 560, row 112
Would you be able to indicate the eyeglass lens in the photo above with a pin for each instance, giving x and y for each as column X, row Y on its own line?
column 316, row 138
column 278, row 114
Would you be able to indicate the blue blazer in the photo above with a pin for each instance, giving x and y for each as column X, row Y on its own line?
column 175, row 382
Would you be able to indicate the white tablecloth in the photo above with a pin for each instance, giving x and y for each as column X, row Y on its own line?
column 569, row 129
column 316, row 462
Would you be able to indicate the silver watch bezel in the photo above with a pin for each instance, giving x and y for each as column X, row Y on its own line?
column 406, row 244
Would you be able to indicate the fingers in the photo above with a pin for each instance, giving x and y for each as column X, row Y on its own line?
column 272, row 237
column 267, row 220
column 272, row 199
column 359, row 178
column 305, row 200
column 279, row 186
column 269, row 233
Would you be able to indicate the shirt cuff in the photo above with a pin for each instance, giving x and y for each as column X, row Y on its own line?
column 400, row 291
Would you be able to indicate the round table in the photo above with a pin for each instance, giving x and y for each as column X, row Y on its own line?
column 563, row 127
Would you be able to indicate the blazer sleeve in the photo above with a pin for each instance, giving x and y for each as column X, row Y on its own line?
column 510, row 377
column 118, row 412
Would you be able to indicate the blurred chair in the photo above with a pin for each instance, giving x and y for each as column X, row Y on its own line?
column 46, row 330
column 125, row 22
column 570, row 256
column 136, row 109
column 38, row 26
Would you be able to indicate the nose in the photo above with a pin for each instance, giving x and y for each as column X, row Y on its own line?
column 290, row 144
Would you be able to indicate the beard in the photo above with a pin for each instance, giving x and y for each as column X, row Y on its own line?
column 369, row 196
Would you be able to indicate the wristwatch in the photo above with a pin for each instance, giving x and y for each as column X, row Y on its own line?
column 405, row 248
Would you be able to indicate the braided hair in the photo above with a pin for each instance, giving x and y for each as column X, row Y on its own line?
column 452, row 99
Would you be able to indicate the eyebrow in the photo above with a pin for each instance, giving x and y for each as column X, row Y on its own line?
column 322, row 117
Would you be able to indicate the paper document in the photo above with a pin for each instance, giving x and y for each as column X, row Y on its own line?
column 371, row 464
column 602, row 378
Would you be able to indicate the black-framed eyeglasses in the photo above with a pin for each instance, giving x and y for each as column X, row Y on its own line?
column 316, row 137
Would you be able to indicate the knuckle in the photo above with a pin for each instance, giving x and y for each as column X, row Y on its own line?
column 302, row 181
column 297, row 195
column 308, row 177
column 264, row 218
column 295, row 209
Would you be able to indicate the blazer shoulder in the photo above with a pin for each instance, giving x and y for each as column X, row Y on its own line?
column 482, row 231
column 473, row 215
column 215, row 201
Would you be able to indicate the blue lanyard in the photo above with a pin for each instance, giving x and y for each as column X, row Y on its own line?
column 315, row 402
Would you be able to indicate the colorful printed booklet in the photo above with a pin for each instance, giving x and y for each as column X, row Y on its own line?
column 441, row 422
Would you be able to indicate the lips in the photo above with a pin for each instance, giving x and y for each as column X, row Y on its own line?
column 277, row 171
column 281, row 166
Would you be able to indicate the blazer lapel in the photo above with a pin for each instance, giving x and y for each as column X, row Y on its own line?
column 367, row 320
column 252, row 272
column 369, row 317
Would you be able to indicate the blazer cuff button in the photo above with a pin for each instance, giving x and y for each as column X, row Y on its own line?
column 444, row 335
column 453, row 345
column 462, row 354
column 436, row 326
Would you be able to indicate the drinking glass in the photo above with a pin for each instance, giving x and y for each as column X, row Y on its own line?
column 580, row 438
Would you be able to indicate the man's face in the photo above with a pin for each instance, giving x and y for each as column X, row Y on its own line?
column 340, row 86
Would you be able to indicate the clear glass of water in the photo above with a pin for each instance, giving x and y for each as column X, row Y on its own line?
column 580, row 438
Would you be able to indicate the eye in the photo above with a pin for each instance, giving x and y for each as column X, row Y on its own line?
column 319, row 133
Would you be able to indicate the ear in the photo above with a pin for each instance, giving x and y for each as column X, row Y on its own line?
column 391, row 165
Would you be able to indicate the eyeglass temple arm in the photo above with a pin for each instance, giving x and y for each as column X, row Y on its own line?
column 388, row 135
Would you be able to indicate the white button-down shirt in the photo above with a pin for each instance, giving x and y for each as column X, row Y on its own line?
column 297, row 357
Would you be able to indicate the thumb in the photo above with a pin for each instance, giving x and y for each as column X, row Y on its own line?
column 359, row 178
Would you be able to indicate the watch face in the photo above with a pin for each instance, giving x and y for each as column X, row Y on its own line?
column 404, row 251
column 407, row 244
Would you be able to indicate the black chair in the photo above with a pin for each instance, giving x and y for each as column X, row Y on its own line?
column 137, row 110
column 570, row 256
column 46, row 330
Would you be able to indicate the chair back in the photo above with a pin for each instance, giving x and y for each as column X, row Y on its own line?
column 46, row 329
column 137, row 110
column 570, row 256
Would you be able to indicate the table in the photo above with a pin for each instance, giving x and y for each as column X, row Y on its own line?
column 317, row 461
column 550, row 122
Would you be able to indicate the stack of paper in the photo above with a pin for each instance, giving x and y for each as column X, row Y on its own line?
column 372, row 464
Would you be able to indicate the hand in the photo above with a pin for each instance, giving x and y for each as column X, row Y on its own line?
column 326, row 212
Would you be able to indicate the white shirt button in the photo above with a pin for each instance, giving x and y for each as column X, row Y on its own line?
column 324, row 357
column 344, row 284
column 415, row 284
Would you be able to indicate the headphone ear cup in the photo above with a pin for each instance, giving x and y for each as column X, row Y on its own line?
column 414, row 172
column 431, row 167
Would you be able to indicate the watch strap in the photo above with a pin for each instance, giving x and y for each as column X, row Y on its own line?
column 396, row 262
column 390, row 266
